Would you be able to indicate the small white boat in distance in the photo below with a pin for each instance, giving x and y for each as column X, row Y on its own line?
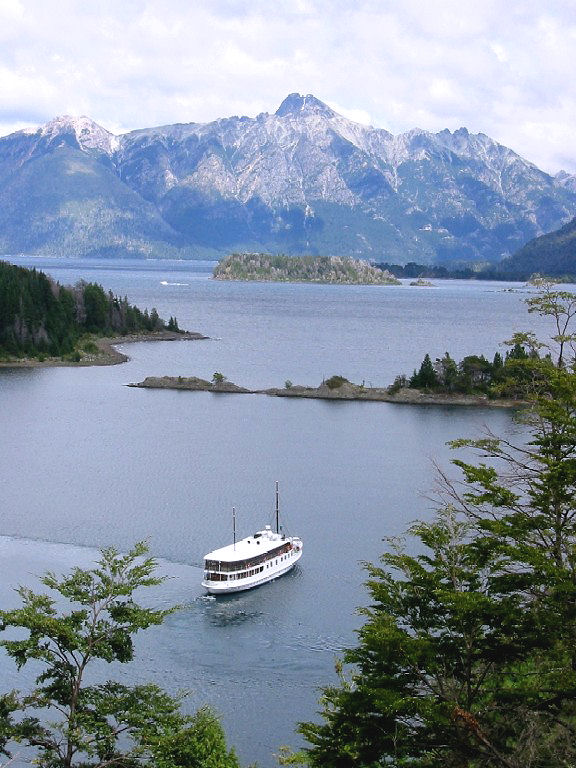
column 249, row 562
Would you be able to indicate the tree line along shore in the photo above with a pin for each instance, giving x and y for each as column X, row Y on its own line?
column 45, row 323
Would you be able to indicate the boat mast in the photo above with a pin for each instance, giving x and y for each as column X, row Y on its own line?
column 277, row 509
column 234, row 525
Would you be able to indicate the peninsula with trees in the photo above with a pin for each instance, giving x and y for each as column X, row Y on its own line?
column 301, row 269
column 508, row 380
column 334, row 388
column 43, row 322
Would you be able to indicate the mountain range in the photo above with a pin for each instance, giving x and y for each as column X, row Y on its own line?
column 302, row 180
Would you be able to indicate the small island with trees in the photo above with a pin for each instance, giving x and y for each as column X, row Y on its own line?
column 45, row 323
column 301, row 269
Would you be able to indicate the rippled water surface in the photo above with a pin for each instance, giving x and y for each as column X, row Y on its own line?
column 88, row 462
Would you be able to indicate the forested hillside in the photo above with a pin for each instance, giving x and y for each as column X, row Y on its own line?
column 553, row 254
column 39, row 317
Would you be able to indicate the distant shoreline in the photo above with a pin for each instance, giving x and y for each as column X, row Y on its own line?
column 347, row 391
column 107, row 353
column 279, row 268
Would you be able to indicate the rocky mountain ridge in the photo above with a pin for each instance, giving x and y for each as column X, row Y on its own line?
column 301, row 180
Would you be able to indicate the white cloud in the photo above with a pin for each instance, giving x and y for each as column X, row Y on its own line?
column 11, row 10
column 357, row 115
column 502, row 67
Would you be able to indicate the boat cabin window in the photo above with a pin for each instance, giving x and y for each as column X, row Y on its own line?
column 222, row 567
column 218, row 576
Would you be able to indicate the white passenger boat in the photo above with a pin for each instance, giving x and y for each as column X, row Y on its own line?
column 249, row 562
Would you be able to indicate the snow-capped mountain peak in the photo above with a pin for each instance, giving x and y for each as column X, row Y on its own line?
column 296, row 105
column 88, row 134
column 301, row 179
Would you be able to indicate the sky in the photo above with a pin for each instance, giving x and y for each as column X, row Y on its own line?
column 505, row 68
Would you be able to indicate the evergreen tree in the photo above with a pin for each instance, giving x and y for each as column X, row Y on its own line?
column 96, row 305
column 426, row 377
column 38, row 315
column 446, row 372
column 474, row 374
column 468, row 653
column 444, row 673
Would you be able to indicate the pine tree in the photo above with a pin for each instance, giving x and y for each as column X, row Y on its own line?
column 426, row 377
column 468, row 653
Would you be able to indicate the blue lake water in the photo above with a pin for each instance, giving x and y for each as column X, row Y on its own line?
column 87, row 462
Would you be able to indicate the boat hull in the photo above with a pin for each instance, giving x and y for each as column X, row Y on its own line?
column 241, row 585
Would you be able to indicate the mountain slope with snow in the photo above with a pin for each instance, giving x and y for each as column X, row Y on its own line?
column 302, row 180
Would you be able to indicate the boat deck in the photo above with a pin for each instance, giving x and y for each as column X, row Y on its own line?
column 259, row 543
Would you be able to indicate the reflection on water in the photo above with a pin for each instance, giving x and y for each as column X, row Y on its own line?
column 226, row 615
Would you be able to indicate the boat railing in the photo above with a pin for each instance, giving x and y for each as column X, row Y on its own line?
column 242, row 565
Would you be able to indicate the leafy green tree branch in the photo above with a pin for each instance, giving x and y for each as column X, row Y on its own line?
column 98, row 724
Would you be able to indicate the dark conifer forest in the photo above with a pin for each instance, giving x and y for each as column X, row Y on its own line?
column 39, row 317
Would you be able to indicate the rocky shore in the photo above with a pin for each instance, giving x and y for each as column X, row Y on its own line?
column 347, row 391
column 192, row 383
column 105, row 352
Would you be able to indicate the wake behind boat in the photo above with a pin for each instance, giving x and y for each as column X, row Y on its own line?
column 249, row 562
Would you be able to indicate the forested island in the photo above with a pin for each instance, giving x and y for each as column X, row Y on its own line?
column 301, row 269
column 42, row 321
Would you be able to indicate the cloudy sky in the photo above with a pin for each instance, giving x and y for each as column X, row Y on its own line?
column 502, row 67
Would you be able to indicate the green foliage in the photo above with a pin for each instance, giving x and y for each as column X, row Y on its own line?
column 400, row 382
column 39, row 317
column 202, row 744
column 97, row 724
column 335, row 382
column 218, row 378
column 36, row 315
column 561, row 307
column 316, row 269
column 467, row 656
column 521, row 374
column 95, row 308
column 426, row 377
column 528, row 364
column 430, row 657
column 173, row 325
column 455, row 666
